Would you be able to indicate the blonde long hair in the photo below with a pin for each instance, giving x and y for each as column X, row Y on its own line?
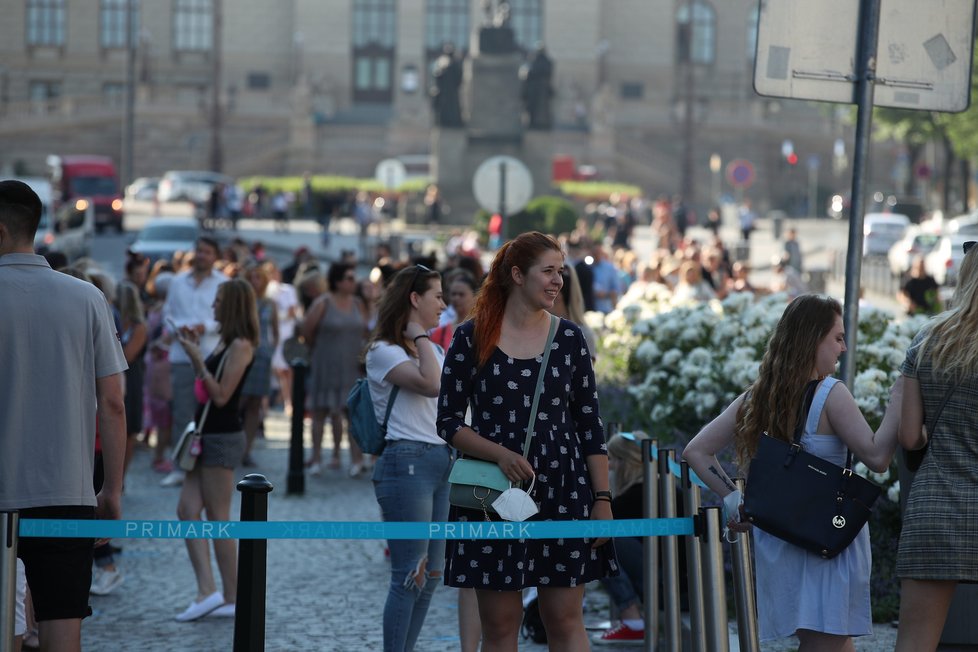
column 627, row 453
column 951, row 341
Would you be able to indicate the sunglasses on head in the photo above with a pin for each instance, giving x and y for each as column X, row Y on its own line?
column 418, row 268
column 966, row 247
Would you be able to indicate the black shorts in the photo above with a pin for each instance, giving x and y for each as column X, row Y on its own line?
column 59, row 571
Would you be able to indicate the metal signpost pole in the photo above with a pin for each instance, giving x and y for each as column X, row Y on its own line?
column 504, row 227
column 869, row 21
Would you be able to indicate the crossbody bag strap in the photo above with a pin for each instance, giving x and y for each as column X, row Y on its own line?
column 390, row 405
column 217, row 377
column 937, row 417
column 554, row 321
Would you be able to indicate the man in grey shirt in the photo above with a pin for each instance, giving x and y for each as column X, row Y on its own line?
column 62, row 373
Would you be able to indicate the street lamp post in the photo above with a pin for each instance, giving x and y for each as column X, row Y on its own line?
column 216, row 153
column 129, row 126
column 715, row 164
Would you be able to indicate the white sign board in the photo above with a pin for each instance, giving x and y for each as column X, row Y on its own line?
column 391, row 173
column 807, row 50
column 502, row 184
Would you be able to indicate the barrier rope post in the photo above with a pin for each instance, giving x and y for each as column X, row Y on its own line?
column 694, row 565
column 650, row 546
column 672, row 626
column 249, row 616
column 743, row 587
column 296, row 483
column 714, row 587
column 9, row 524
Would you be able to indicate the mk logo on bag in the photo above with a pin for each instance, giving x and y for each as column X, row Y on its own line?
column 839, row 522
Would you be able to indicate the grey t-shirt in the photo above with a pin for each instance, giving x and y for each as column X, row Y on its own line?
column 57, row 335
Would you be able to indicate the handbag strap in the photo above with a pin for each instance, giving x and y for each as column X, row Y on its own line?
column 390, row 405
column 554, row 321
column 937, row 417
column 217, row 377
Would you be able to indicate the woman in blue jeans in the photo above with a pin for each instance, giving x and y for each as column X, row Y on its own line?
column 411, row 476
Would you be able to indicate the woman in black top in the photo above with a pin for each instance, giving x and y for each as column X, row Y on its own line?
column 209, row 485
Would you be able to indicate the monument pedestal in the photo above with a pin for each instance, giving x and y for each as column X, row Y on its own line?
column 493, row 112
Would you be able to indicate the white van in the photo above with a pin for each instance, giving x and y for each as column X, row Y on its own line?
column 68, row 229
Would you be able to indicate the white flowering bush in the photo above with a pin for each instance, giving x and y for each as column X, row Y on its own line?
column 671, row 369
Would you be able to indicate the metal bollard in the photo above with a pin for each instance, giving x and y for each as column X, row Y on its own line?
column 650, row 546
column 9, row 524
column 296, row 483
column 743, row 587
column 249, row 615
column 672, row 626
column 714, row 588
column 694, row 566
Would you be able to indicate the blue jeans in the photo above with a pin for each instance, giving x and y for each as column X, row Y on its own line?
column 411, row 483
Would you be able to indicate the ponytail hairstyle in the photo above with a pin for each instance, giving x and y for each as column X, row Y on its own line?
column 490, row 304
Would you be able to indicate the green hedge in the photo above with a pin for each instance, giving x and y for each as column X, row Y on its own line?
column 547, row 214
column 329, row 184
column 597, row 190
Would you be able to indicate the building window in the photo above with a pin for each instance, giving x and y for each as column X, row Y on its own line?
column 113, row 18
column 526, row 19
column 114, row 93
column 259, row 81
column 696, row 28
column 374, row 35
column 752, row 22
column 632, row 91
column 44, row 95
column 46, row 22
column 446, row 21
column 193, row 25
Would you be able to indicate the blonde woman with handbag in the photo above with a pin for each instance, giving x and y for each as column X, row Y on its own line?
column 209, row 485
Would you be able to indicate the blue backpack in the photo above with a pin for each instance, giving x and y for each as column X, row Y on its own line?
column 368, row 434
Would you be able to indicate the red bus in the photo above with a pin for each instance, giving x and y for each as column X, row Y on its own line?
column 93, row 177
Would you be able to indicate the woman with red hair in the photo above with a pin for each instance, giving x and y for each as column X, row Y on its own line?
column 492, row 366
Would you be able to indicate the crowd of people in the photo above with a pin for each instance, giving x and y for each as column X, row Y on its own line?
column 207, row 339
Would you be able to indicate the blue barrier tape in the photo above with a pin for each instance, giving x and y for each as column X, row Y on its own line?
column 675, row 467
column 135, row 529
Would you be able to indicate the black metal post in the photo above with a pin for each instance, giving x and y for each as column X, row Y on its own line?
column 296, row 483
column 869, row 22
column 9, row 524
column 249, row 616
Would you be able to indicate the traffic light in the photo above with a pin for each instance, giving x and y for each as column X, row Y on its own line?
column 792, row 159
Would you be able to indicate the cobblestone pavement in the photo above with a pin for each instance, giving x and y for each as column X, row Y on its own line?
column 324, row 595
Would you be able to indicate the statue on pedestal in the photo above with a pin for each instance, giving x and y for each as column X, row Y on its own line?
column 497, row 13
column 537, row 89
column 445, row 93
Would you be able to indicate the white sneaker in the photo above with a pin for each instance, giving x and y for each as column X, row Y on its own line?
column 226, row 610
column 200, row 609
column 173, row 479
column 105, row 581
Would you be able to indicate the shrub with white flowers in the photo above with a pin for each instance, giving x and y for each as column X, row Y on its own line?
column 680, row 366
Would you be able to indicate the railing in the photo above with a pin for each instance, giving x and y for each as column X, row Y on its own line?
column 666, row 482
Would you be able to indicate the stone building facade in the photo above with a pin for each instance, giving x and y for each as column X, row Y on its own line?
column 647, row 91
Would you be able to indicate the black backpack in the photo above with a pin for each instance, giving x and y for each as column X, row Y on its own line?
column 532, row 622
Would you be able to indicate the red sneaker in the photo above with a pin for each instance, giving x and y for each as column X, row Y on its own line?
column 621, row 634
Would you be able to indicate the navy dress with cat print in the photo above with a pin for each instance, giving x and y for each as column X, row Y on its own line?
column 568, row 429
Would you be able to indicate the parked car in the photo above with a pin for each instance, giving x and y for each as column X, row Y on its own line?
column 68, row 229
column 913, row 208
column 143, row 188
column 881, row 231
column 944, row 261
column 164, row 236
column 964, row 225
column 915, row 242
column 190, row 185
